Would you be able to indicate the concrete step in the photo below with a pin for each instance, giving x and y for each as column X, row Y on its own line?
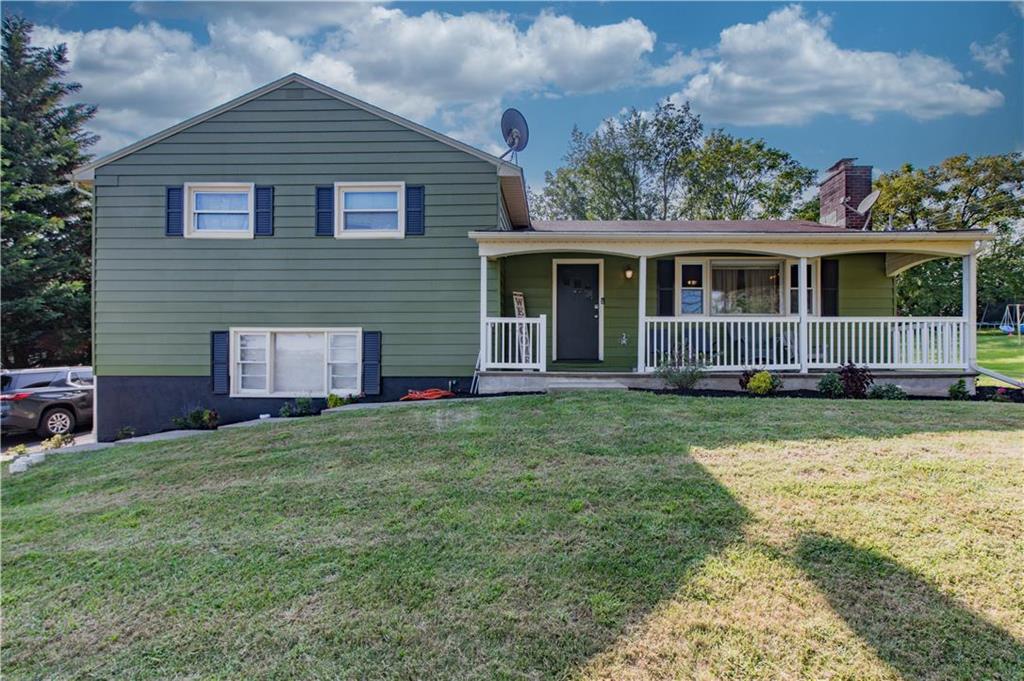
column 585, row 384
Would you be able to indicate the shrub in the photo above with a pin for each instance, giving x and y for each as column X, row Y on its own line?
column 682, row 371
column 831, row 386
column 887, row 391
column 335, row 401
column 198, row 419
column 58, row 441
column 958, row 391
column 764, row 383
column 746, row 376
column 18, row 450
column 124, row 432
column 856, row 380
column 1000, row 395
column 302, row 406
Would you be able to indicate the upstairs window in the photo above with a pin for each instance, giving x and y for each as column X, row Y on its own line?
column 369, row 211
column 219, row 211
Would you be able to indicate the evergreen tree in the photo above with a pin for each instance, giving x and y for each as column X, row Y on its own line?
column 45, row 236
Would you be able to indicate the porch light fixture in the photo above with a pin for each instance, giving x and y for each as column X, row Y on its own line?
column 628, row 272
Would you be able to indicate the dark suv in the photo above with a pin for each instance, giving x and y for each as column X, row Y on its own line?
column 49, row 401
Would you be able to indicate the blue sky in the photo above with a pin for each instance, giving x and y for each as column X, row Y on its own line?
column 886, row 82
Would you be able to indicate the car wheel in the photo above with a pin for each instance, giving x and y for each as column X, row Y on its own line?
column 57, row 421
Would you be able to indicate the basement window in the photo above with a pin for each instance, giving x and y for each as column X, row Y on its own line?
column 296, row 362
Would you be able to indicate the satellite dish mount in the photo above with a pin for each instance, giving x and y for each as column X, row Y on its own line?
column 514, row 131
column 864, row 207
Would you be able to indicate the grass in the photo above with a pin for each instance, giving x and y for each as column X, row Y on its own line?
column 1000, row 352
column 603, row 536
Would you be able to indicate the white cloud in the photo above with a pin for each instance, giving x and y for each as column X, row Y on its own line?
column 995, row 56
column 456, row 69
column 678, row 67
column 786, row 70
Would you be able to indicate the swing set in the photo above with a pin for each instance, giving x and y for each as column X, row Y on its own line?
column 1013, row 321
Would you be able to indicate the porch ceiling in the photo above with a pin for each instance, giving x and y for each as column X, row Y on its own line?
column 920, row 245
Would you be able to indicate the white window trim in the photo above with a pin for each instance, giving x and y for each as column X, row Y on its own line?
column 268, row 332
column 339, row 210
column 815, row 264
column 555, row 262
column 191, row 188
column 709, row 262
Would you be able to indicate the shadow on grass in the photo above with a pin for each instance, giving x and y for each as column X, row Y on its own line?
column 911, row 625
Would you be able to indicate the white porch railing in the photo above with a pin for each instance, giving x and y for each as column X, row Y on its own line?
column 723, row 343
column 515, row 343
column 734, row 343
column 887, row 342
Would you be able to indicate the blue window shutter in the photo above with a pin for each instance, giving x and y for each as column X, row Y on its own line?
column 219, row 362
column 415, row 222
column 325, row 211
column 666, row 284
column 175, row 225
column 371, row 362
column 264, row 211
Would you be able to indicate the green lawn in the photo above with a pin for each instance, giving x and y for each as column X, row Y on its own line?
column 1002, row 353
column 612, row 536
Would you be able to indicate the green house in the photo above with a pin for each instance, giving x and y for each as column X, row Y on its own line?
column 297, row 242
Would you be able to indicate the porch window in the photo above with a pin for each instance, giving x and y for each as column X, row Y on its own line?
column 296, row 362
column 746, row 288
column 794, row 288
column 691, row 289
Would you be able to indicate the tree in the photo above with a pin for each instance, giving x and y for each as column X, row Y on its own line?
column 628, row 169
column 729, row 178
column 46, row 222
column 647, row 166
column 959, row 193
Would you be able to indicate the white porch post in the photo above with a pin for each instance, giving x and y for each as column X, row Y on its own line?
column 802, row 307
column 641, row 314
column 483, row 312
column 969, row 311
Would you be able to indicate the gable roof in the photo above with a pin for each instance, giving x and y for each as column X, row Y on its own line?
column 510, row 173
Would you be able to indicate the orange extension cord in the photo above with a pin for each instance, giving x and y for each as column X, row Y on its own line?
column 429, row 394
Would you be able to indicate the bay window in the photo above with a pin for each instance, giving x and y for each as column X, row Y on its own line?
column 369, row 211
column 219, row 210
column 296, row 362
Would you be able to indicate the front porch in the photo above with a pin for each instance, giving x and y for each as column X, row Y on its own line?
column 799, row 309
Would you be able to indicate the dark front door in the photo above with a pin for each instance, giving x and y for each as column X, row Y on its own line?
column 579, row 311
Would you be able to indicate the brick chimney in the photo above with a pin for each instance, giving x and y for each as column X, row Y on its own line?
column 845, row 184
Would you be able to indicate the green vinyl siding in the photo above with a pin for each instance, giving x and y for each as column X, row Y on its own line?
column 531, row 274
column 157, row 298
column 864, row 288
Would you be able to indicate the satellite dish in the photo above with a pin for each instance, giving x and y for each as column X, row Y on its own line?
column 868, row 202
column 864, row 207
column 514, row 131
